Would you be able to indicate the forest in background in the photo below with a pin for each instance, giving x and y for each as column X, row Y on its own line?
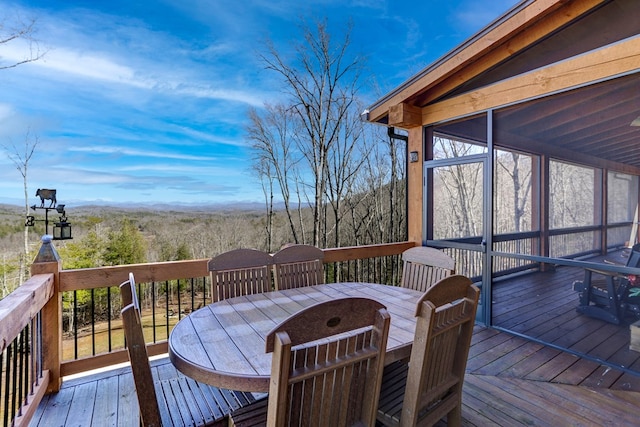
column 104, row 235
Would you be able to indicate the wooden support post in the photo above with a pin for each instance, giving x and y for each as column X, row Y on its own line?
column 415, row 204
column 48, row 261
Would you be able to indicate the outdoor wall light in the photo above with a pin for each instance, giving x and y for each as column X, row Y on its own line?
column 413, row 156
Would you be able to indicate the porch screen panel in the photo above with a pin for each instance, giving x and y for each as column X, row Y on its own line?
column 622, row 191
column 457, row 190
column 572, row 205
column 513, row 210
column 513, row 193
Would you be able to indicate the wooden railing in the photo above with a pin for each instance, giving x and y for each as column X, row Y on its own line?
column 30, row 341
column 38, row 306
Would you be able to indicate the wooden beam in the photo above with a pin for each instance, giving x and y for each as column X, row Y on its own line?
column 405, row 116
column 613, row 60
column 511, row 35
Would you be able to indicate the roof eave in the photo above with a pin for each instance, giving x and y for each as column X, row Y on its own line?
column 519, row 17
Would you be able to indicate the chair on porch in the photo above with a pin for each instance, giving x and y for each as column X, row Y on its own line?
column 326, row 368
column 175, row 401
column 298, row 265
column 606, row 296
column 240, row 272
column 423, row 266
column 430, row 386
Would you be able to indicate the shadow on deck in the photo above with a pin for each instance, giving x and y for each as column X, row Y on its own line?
column 510, row 381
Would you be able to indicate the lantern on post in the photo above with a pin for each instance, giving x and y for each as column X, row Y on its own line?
column 61, row 229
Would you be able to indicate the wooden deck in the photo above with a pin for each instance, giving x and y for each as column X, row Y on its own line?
column 510, row 381
column 543, row 306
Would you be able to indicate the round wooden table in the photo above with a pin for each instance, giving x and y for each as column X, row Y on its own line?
column 223, row 344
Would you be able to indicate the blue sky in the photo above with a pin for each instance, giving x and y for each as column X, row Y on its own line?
column 142, row 101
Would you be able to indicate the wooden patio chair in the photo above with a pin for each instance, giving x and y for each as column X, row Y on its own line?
column 326, row 368
column 430, row 386
column 240, row 272
column 423, row 266
column 604, row 294
column 175, row 401
column 298, row 265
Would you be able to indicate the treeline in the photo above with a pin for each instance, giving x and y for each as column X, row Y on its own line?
column 105, row 236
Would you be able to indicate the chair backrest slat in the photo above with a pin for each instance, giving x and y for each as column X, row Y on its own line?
column 327, row 364
column 424, row 266
column 240, row 272
column 446, row 316
column 297, row 266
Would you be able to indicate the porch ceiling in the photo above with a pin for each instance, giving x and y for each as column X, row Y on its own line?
column 592, row 121
column 591, row 125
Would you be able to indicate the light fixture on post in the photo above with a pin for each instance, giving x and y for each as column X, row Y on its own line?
column 62, row 229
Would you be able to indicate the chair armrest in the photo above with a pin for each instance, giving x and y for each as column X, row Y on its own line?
column 605, row 273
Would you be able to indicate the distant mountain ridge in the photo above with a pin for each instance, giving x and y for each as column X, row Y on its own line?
column 179, row 207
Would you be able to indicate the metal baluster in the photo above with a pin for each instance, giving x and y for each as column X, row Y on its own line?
column 179, row 305
column 153, row 308
column 7, row 383
column 14, row 378
column 75, row 323
column 166, row 286
column 93, row 322
column 109, row 309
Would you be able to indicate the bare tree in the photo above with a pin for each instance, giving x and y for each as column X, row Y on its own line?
column 322, row 82
column 21, row 31
column 516, row 169
column 344, row 160
column 271, row 139
column 262, row 168
column 21, row 156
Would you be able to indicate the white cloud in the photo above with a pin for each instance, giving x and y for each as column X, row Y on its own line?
column 94, row 66
column 138, row 153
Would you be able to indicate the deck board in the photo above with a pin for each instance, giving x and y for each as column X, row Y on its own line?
column 543, row 306
column 510, row 382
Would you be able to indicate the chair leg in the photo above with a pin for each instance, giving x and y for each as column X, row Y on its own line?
column 454, row 418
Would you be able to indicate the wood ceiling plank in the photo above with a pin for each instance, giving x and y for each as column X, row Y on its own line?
column 617, row 59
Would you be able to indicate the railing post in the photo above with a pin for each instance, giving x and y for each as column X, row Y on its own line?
column 48, row 261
